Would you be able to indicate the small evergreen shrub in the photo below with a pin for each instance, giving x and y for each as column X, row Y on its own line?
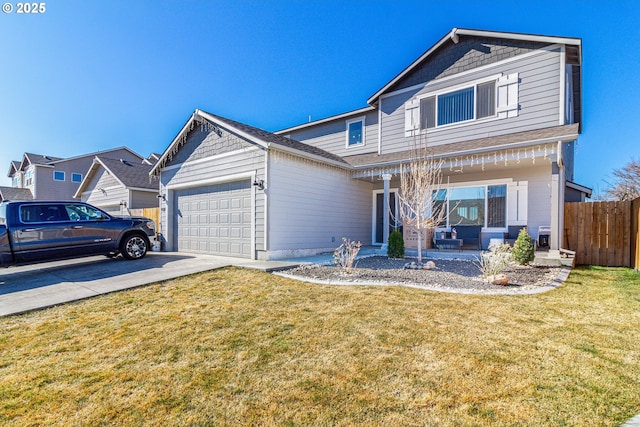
column 523, row 251
column 395, row 249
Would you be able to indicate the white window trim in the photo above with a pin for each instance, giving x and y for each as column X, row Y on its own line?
column 78, row 174
column 348, row 123
column 466, row 85
column 395, row 191
column 485, row 184
column 64, row 176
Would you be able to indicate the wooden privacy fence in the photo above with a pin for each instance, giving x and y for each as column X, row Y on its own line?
column 151, row 213
column 603, row 233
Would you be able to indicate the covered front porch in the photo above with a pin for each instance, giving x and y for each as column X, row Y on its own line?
column 488, row 197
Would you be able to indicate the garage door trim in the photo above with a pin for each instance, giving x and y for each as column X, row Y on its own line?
column 172, row 188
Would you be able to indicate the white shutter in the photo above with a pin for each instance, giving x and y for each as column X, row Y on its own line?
column 508, row 96
column 517, row 203
column 411, row 117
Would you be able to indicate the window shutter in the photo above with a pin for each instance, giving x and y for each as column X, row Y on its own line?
column 411, row 117
column 518, row 203
column 508, row 96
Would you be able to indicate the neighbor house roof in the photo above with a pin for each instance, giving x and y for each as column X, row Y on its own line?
column 454, row 35
column 258, row 136
column 581, row 188
column 10, row 193
column 43, row 160
column 132, row 176
column 15, row 166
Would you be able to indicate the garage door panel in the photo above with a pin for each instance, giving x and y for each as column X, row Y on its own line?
column 214, row 219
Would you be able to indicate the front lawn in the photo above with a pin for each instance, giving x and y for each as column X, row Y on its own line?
column 240, row 347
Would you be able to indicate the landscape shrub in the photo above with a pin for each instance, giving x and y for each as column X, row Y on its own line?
column 496, row 260
column 523, row 251
column 395, row 248
column 345, row 255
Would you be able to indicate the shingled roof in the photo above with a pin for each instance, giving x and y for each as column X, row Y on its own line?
column 258, row 136
column 39, row 159
column 130, row 174
column 538, row 136
column 272, row 138
column 11, row 193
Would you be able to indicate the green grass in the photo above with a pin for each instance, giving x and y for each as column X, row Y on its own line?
column 239, row 347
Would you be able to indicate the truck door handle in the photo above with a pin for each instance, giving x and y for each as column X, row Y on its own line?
column 26, row 230
column 75, row 227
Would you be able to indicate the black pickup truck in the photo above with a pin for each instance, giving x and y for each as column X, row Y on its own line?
column 35, row 231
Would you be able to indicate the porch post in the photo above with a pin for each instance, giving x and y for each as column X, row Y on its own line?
column 557, row 208
column 385, row 216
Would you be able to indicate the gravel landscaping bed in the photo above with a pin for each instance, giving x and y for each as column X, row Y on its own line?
column 452, row 275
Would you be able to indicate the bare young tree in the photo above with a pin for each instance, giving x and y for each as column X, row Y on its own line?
column 420, row 180
column 626, row 185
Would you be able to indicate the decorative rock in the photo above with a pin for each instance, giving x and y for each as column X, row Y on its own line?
column 498, row 279
column 430, row 265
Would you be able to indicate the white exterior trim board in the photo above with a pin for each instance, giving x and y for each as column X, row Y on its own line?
column 472, row 71
column 363, row 110
column 170, row 194
column 210, row 158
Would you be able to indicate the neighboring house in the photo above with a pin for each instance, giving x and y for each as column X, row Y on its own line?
column 55, row 178
column 502, row 110
column 10, row 193
column 118, row 185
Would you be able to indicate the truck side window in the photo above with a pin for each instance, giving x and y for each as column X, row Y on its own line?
column 83, row 213
column 43, row 213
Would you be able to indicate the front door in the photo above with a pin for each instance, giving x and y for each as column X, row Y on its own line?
column 380, row 211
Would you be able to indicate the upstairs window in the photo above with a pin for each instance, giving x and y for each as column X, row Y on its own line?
column 58, row 176
column 494, row 98
column 355, row 132
column 28, row 176
column 76, row 177
column 486, row 105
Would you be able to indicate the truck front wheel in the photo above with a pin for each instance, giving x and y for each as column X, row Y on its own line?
column 133, row 247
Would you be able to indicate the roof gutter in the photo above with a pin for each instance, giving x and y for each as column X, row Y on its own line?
column 567, row 138
column 310, row 156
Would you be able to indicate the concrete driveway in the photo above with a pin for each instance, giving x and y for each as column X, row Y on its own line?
column 43, row 285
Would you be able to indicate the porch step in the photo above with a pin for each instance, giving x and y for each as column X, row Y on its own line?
column 555, row 258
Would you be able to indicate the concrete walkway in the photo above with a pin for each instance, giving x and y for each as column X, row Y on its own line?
column 43, row 285
column 633, row 422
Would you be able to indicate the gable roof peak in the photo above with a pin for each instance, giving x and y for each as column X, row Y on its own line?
column 454, row 36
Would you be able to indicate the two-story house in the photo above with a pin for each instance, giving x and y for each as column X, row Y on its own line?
column 501, row 110
column 56, row 178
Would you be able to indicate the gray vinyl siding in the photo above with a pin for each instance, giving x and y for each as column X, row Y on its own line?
column 143, row 199
column 312, row 206
column 48, row 189
column 331, row 136
column 467, row 54
column 203, row 164
column 104, row 190
column 539, row 100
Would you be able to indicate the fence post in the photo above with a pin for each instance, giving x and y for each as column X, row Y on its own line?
column 635, row 234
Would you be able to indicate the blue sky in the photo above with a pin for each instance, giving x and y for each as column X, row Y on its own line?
column 86, row 76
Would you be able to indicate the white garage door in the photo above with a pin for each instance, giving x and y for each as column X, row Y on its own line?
column 214, row 219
